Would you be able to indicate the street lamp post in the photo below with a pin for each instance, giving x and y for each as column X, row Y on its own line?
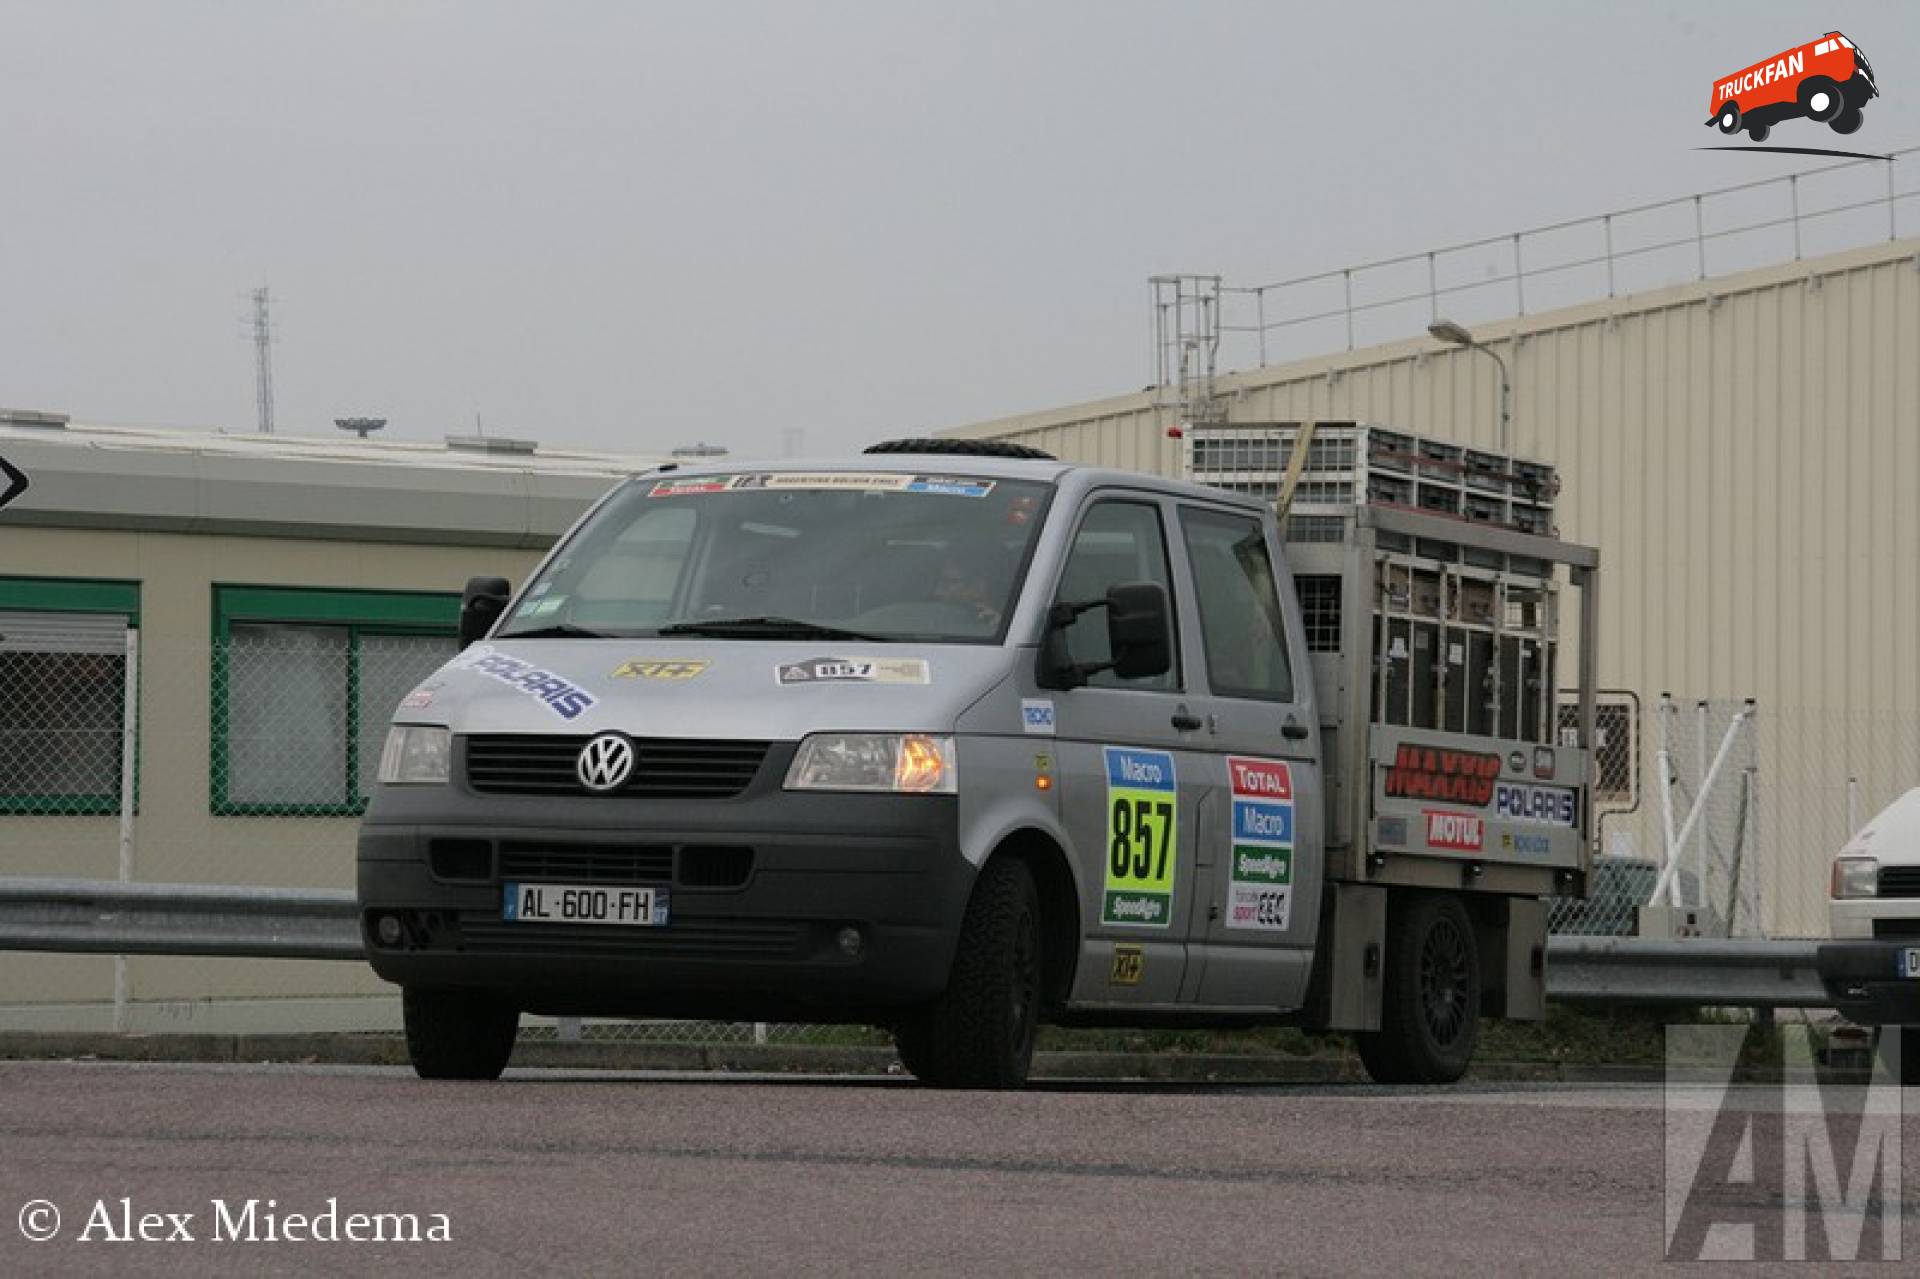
column 1449, row 332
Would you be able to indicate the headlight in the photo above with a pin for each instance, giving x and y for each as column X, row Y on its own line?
column 416, row 755
column 915, row 762
column 1855, row 877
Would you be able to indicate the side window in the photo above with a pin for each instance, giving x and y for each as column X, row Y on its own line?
column 1240, row 620
column 1117, row 542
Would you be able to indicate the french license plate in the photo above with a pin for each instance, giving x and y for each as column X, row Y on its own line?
column 1910, row 962
column 586, row 904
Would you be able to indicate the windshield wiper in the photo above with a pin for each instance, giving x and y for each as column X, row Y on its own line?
column 559, row 630
column 769, row 627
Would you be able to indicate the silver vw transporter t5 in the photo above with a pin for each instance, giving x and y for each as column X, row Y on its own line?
column 951, row 738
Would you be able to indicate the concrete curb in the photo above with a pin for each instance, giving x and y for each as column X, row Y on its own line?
column 390, row 1050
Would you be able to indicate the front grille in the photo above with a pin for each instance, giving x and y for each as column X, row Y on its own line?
column 664, row 768
column 694, row 939
column 1899, row 881
column 586, row 863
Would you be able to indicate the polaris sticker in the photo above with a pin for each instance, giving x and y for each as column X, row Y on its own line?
column 855, row 670
column 1143, row 838
column 1036, row 715
column 561, row 696
column 1545, row 805
column 1260, row 858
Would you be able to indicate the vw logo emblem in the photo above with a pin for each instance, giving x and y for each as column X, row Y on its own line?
column 606, row 762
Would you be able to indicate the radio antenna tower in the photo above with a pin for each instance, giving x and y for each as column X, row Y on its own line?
column 263, row 360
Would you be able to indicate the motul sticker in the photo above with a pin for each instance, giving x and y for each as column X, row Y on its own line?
column 1455, row 832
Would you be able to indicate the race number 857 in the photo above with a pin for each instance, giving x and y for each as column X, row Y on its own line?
column 1141, row 835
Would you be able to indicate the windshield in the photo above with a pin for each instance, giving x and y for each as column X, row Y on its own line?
column 877, row 556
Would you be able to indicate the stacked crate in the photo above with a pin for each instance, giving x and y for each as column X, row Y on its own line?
column 1465, row 634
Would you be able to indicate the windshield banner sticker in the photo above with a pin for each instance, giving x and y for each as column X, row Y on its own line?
column 561, row 696
column 1143, row 838
column 1260, row 865
column 681, row 668
column 845, row 481
column 855, row 670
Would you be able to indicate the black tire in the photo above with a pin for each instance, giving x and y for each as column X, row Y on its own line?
column 962, row 448
column 1831, row 104
column 1430, row 1005
column 1729, row 120
column 1758, row 131
column 1848, row 121
column 1906, row 1068
column 458, row 1034
column 979, row 1032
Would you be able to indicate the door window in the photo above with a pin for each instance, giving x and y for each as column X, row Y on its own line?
column 1118, row 542
column 1240, row 620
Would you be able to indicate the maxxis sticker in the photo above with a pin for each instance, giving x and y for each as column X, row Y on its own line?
column 1143, row 838
column 1260, row 858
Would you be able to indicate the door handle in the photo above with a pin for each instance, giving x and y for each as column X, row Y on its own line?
column 1293, row 732
column 1185, row 722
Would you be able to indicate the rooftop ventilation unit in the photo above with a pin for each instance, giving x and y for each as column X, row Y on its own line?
column 362, row 426
column 490, row 444
column 33, row 417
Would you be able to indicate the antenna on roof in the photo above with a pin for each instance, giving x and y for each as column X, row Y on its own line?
column 363, row 426
column 263, row 360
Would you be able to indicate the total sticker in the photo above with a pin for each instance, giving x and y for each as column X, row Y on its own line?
column 1143, row 838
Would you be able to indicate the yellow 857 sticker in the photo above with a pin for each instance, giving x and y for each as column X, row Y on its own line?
column 1143, row 838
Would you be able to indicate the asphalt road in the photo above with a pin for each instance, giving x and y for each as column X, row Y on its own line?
column 623, row 1174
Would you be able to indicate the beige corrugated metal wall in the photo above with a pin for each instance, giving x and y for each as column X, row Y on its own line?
column 1746, row 453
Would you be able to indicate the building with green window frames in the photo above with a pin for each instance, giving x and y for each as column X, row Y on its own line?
column 262, row 603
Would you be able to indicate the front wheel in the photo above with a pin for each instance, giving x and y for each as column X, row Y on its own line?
column 1848, row 121
column 457, row 1034
column 979, row 1032
column 1820, row 99
column 1430, row 1004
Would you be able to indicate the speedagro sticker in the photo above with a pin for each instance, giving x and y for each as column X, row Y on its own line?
column 855, row 670
column 1260, row 859
column 1143, row 838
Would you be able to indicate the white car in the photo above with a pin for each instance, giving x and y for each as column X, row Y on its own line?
column 1871, row 968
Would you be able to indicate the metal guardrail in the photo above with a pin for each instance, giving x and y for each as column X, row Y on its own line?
column 104, row 917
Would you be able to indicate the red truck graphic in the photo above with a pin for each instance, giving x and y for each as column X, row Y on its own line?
column 1828, row 80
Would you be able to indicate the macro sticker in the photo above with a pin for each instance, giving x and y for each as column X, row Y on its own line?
column 1143, row 838
column 682, row 668
column 855, row 670
column 560, row 695
column 1260, row 852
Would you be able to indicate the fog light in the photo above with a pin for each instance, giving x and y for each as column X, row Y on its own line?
column 387, row 929
column 851, row 942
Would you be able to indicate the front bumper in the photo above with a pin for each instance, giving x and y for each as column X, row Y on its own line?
column 763, row 946
column 1863, row 978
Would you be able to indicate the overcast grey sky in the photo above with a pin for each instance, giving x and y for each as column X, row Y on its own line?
column 632, row 225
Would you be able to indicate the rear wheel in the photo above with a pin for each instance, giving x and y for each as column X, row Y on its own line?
column 1729, row 120
column 1758, row 131
column 979, row 1032
column 458, row 1034
column 1899, row 1050
column 1430, row 1005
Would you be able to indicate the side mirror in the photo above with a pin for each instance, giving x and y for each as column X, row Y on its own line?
column 1139, row 630
column 481, row 605
column 1139, row 636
